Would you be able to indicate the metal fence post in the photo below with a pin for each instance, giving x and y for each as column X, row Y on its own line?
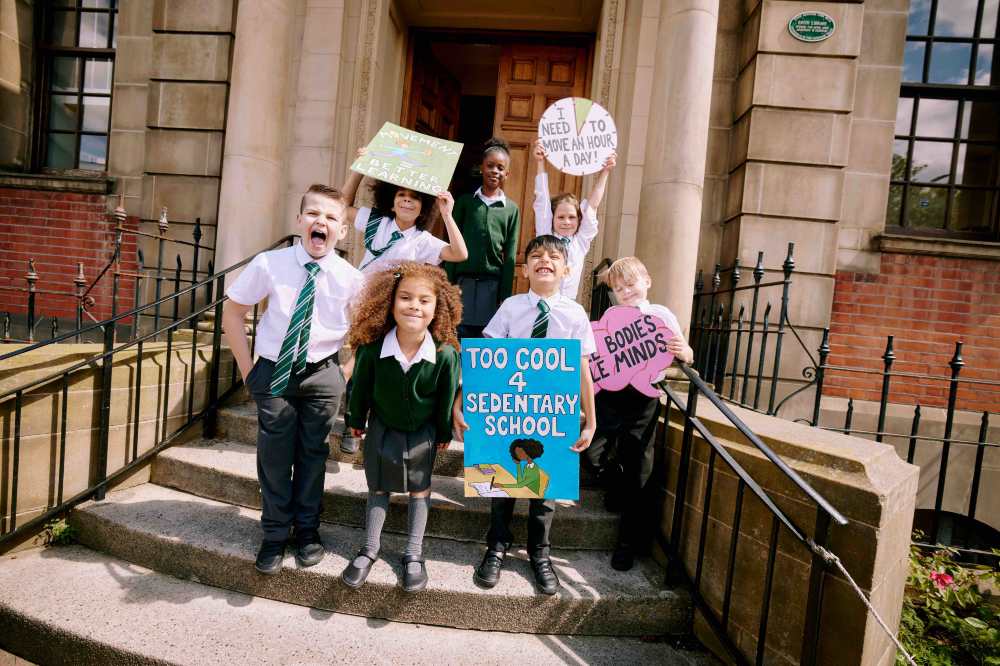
column 824, row 352
column 956, row 364
column 104, row 424
column 31, row 277
column 212, row 408
column 887, row 359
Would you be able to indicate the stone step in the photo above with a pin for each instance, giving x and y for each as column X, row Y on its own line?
column 194, row 538
column 239, row 423
column 227, row 471
column 74, row 605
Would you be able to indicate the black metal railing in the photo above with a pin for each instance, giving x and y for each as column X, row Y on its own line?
column 962, row 530
column 719, row 615
column 13, row 401
column 83, row 290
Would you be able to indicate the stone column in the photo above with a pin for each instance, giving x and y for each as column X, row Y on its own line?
column 671, row 195
column 252, row 174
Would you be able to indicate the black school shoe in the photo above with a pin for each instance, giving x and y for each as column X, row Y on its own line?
column 309, row 548
column 488, row 572
column 545, row 575
column 354, row 577
column 623, row 557
column 349, row 444
column 416, row 580
column 269, row 557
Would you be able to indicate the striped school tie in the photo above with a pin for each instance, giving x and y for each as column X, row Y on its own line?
column 541, row 326
column 374, row 219
column 295, row 346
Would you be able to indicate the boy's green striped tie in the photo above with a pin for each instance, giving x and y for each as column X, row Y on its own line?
column 295, row 346
column 541, row 326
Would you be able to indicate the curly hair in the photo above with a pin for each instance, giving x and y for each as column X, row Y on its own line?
column 371, row 317
column 532, row 447
column 384, row 195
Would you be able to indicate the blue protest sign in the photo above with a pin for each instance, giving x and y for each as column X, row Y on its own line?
column 521, row 399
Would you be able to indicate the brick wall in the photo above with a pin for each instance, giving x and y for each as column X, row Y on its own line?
column 58, row 230
column 927, row 303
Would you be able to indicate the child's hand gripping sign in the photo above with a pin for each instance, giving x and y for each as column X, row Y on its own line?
column 631, row 349
column 578, row 135
column 521, row 400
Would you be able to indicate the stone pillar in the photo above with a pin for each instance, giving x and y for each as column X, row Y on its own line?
column 252, row 173
column 671, row 196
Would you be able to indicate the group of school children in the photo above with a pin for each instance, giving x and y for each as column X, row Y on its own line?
column 403, row 316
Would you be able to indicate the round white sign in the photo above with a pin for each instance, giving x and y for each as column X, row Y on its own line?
column 578, row 135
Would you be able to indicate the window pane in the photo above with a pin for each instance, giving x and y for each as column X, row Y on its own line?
column 97, row 3
column 955, row 18
column 913, row 62
column 985, row 71
column 904, row 114
column 97, row 76
column 94, row 30
column 893, row 209
column 899, row 160
column 66, row 74
column 62, row 29
column 976, row 165
column 937, row 117
column 950, row 63
column 60, row 151
column 93, row 152
column 63, row 112
column 925, row 207
column 973, row 210
column 989, row 28
column 96, row 111
column 931, row 161
column 920, row 11
column 980, row 121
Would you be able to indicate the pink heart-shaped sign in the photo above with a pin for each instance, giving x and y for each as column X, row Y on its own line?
column 631, row 350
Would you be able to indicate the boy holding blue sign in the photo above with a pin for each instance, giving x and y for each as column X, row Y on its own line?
column 543, row 312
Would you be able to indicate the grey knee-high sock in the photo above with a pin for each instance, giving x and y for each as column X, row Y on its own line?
column 378, row 506
column 416, row 524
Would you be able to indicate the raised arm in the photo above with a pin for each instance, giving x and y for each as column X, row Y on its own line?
column 601, row 183
column 543, row 202
column 456, row 249
column 350, row 190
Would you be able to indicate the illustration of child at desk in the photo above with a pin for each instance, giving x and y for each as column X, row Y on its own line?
column 494, row 480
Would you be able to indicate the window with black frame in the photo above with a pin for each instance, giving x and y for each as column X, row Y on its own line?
column 946, row 156
column 77, row 58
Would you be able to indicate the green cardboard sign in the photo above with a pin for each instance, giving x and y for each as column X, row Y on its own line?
column 812, row 26
column 409, row 159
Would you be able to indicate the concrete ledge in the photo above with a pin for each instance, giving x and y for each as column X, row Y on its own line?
column 214, row 543
column 227, row 472
column 939, row 247
column 59, row 183
column 53, row 598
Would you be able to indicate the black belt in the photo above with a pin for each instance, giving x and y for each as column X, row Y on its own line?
column 322, row 363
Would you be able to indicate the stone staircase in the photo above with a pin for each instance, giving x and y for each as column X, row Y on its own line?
column 164, row 574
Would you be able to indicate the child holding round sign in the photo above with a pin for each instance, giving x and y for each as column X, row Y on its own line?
column 573, row 221
column 405, row 377
column 490, row 223
column 622, row 452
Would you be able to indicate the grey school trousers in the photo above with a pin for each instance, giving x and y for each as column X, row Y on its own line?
column 293, row 432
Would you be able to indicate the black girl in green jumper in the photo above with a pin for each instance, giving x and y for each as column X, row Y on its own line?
column 490, row 224
column 406, row 373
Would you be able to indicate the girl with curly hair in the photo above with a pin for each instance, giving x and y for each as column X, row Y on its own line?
column 406, row 374
column 394, row 227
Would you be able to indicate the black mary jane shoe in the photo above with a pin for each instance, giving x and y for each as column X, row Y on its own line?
column 416, row 580
column 623, row 557
column 545, row 575
column 487, row 574
column 353, row 576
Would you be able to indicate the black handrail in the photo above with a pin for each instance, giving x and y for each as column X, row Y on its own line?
column 10, row 532
column 675, row 546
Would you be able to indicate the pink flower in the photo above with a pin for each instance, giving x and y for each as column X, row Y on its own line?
column 942, row 580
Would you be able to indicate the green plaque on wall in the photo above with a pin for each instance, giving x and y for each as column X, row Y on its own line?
column 812, row 26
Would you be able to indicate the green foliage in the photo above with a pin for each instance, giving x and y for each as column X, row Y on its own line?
column 58, row 533
column 947, row 620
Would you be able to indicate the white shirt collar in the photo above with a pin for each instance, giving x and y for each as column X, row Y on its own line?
column 489, row 201
column 390, row 347
column 325, row 262
column 533, row 298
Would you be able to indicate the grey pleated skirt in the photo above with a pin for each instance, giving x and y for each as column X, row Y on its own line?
column 397, row 461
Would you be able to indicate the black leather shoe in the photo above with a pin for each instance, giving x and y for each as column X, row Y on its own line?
column 414, row 578
column 354, row 577
column 309, row 549
column 488, row 572
column 269, row 557
column 349, row 444
column 623, row 558
column 545, row 575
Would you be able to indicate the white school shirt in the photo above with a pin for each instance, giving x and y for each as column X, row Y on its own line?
column 390, row 347
column 279, row 275
column 579, row 243
column 668, row 317
column 416, row 245
column 489, row 201
column 567, row 319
